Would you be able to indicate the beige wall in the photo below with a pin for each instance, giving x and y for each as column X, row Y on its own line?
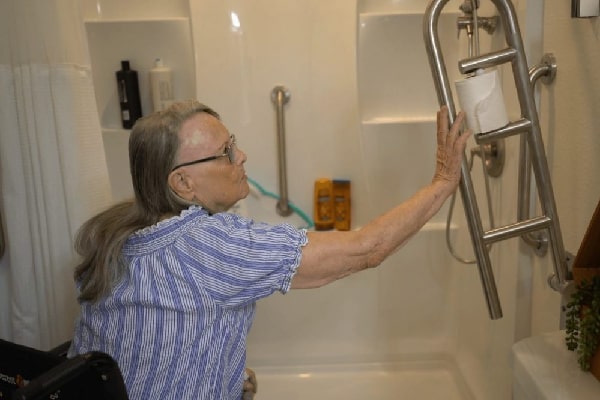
column 570, row 121
column 570, row 117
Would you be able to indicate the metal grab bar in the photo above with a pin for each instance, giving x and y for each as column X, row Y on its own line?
column 440, row 78
column 528, row 124
column 546, row 71
column 280, row 97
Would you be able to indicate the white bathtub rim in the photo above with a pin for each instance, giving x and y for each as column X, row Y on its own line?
column 406, row 363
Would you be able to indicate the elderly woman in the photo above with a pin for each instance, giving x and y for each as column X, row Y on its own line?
column 168, row 282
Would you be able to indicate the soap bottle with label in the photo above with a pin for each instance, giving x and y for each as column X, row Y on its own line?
column 161, row 85
column 323, row 204
column 341, row 200
column 129, row 95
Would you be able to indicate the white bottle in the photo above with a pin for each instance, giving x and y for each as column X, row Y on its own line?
column 161, row 85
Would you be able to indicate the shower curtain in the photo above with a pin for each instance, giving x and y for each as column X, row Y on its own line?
column 53, row 174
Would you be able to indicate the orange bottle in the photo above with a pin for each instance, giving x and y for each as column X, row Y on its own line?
column 323, row 204
column 342, row 210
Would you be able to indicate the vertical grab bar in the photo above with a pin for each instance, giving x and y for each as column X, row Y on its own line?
column 546, row 71
column 280, row 97
column 528, row 125
column 467, row 191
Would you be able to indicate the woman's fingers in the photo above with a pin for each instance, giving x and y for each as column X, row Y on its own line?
column 450, row 146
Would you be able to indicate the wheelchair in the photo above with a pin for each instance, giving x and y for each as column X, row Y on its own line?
column 31, row 374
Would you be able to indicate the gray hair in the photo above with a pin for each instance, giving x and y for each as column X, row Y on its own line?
column 153, row 150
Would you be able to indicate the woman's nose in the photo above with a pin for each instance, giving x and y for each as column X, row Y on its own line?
column 241, row 155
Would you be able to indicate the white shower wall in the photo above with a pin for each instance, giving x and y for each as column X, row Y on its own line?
column 372, row 122
column 245, row 49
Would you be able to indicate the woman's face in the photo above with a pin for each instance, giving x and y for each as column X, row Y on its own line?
column 217, row 183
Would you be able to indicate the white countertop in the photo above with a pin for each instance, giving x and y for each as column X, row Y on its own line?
column 543, row 368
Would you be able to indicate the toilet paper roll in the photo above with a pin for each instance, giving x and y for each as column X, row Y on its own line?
column 481, row 98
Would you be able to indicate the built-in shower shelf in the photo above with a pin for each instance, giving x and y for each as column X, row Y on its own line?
column 399, row 120
column 394, row 79
column 135, row 20
column 140, row 41
column 400, row 6
column 402, row 13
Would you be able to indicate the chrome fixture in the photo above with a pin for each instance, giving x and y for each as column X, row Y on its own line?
column 471, row 22
column 527, row 125
column 546, row 72
column 492, row 154
column 280, row 96
column 467, row 23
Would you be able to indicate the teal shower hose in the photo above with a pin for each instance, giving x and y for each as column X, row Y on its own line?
column 297, row 210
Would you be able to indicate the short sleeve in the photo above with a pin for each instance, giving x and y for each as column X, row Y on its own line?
column 237, row 261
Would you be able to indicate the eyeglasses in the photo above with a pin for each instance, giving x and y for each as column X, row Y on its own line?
column 230, row 152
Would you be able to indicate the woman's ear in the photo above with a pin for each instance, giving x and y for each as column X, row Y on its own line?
column 181, row 184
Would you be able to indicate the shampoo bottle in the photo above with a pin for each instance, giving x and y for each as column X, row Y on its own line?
column 161, row 85
column 341, row 199
column 323, row 204
column 129, row 95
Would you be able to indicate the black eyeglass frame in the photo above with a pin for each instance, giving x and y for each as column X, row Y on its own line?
column 229, row 153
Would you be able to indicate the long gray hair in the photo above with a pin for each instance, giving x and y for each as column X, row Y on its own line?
column 153, row 150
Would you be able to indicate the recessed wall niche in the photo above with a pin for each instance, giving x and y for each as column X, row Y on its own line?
column 140, row 41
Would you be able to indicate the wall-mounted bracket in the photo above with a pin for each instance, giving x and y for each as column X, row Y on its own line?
column 545, row 70
column 492, row 154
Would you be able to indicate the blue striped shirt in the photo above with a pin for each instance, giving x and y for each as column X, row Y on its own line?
column 177, row 321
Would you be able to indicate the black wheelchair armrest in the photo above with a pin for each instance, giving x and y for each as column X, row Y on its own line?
column 96, row 366
column 61, row 350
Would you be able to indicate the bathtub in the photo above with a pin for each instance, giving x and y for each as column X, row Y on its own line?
column 435, row 379
column 380, row 334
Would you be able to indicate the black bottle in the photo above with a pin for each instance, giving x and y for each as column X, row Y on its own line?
column 129, row 95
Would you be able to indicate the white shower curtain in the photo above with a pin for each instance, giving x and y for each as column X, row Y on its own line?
column 53, row 172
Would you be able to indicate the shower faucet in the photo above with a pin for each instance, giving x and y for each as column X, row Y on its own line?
column 486, row 23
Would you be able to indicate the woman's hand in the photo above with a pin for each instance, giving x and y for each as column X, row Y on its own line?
column 250, row 385
column 450, row 148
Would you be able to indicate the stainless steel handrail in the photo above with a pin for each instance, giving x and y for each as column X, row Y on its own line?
column 442, row 86
column 527, row 124
column 492, row 154
column 280, row 97
column 546, row 72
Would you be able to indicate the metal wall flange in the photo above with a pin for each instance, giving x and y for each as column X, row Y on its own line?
column 538, row 241
column 277, row 90
column 492, row 155
column 546, row 70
